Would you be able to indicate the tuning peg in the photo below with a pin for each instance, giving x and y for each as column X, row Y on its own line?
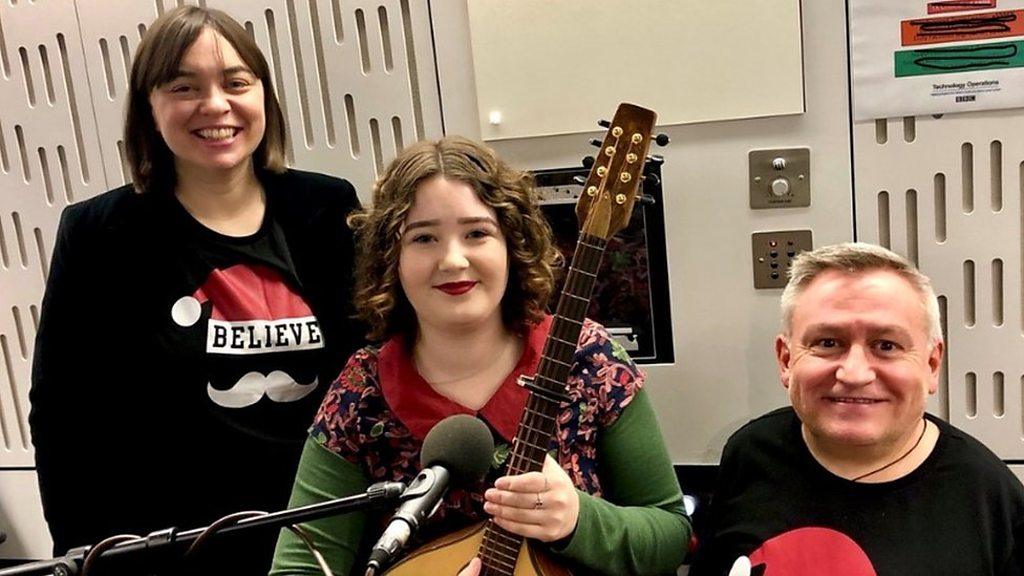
column 651, row 179
column 588, row 162
column 604, row 124
column 645, row 199
column 661, row 139
column 596, row 142
column 656, row 159
column 581, row 180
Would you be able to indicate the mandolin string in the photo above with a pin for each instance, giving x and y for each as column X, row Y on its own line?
column 491, row 531
column 530, row 449
column 539, row 424
column 532, row 430
column 492, row 535
column 588, row 247
column 504, row 544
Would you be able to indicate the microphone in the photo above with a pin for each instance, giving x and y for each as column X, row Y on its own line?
column 458, row 450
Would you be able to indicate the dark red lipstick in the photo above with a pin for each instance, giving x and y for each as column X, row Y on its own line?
column 456, row 288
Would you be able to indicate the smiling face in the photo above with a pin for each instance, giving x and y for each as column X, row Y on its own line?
column 858, row 362
column 453, row 260
column 211, row 113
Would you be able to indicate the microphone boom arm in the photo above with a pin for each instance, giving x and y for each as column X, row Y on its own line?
column 376, row 496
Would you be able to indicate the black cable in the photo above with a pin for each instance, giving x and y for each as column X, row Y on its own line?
column 229, row 520
column 312, row 548
column 104, row 545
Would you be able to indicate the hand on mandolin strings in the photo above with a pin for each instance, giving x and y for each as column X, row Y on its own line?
column 539, row 505
column 471, row 569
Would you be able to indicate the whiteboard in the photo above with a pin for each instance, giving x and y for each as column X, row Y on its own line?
column 554, row 66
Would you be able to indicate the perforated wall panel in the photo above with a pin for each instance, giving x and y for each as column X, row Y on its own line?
column 355, row 79
column 946, row 192
column 48, row 159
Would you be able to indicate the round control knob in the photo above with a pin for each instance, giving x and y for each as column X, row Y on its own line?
column 780, row 187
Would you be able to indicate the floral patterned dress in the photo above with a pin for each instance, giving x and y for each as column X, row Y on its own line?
column 378, row 411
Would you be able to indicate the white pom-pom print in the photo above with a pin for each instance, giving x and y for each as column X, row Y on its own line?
column 186, row 311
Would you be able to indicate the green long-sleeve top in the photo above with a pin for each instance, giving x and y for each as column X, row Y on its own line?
column 636, row 525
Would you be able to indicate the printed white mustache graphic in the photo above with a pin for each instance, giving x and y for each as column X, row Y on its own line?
column 278, row 386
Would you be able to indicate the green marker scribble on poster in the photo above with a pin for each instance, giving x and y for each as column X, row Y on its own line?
column 953, row 59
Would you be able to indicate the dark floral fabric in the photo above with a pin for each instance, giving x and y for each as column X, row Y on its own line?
column 356, row 422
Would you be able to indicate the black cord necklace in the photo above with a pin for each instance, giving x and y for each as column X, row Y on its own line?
column 896, row 461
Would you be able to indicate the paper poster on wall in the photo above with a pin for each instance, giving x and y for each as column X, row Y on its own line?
column 931, row 57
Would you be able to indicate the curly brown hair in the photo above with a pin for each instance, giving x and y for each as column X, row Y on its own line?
column 380, row 300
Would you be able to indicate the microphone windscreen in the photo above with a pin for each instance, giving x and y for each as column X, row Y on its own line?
column 463, row 445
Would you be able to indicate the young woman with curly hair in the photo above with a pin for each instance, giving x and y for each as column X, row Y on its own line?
column 455, row 271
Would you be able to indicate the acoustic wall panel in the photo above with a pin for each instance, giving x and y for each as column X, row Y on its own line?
column 48, row 159
column 945, row 191
column 108, row 41
column 355, row 79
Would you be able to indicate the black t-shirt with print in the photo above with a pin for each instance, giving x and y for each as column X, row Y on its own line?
column 176, row 370
column 241, row 316
column 960, row 512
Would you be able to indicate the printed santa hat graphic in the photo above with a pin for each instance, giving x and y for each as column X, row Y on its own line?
column 806, row 552
column 243, row 292
column 252, row 311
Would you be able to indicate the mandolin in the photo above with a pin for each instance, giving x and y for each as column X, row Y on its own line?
column 604, row 208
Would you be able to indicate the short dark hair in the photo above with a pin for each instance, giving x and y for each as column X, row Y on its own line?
column 857, row 258
column 512, row 195
column 157, row 61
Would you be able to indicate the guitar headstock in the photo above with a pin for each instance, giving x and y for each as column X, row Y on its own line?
column 609, row 193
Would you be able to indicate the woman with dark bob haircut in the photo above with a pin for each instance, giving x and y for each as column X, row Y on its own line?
column 455, row 268
column 152, row 162
column 192, row 318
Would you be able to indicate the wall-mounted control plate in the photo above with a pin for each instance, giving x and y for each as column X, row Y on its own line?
column 773, row 252
column 780, row 178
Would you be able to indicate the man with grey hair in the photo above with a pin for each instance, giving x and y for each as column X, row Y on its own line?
column 855, row 479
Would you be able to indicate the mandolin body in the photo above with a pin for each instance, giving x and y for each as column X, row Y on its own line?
column 449, row 554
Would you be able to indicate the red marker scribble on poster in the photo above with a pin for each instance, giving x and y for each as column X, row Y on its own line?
column 959, row 6
column 975, row 26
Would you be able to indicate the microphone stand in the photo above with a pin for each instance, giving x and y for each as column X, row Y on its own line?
column 168, row 539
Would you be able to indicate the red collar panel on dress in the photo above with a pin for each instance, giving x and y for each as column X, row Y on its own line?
column 419, row 406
